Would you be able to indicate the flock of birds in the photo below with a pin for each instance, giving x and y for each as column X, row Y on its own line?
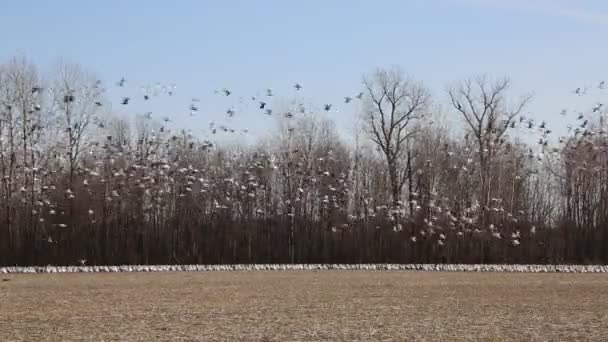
column 583, row 127
column 261, row 102
column 335, row 186
column 311, row 267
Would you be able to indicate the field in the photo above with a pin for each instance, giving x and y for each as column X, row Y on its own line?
column 304, row 306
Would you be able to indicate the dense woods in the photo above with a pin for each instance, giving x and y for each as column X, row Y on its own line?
column 80, row 185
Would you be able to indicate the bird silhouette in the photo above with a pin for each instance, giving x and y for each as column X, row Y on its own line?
column 597, row 107
column 170, row 91
column 68, row 98
column 122, row 82
column 327, row 107
column 125, row 100
column 297, row 86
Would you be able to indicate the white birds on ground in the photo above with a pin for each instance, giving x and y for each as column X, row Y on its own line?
column 309, row 267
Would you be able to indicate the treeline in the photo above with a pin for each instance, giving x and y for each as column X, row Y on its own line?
column 79, row 185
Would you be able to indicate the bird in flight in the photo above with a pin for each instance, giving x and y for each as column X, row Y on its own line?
column 125, row 100
column 598, row 107
column 297, row 86
column 348, row 99
column 359, row 96
column 122, row 82
column 580, row 91
column 327, row 107
column 262, row 104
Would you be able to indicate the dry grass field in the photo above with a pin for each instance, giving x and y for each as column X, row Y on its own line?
column 306, row 306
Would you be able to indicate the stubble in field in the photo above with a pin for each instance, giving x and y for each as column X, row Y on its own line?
column 304, row 306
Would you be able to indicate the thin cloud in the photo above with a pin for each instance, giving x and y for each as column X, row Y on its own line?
column 568, row 9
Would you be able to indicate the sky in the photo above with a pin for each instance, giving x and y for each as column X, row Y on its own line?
column 548, row 47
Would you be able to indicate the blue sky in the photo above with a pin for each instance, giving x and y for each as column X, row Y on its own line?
column 549, row 47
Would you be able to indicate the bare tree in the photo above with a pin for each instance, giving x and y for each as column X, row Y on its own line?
column 76, row 96
column 120, row 131
column 163, row 196
column 485, row 108
column 393, row 102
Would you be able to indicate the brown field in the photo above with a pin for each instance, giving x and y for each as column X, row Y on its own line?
column 291, row 306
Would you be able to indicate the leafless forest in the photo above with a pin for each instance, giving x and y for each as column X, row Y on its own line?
column 81, row 186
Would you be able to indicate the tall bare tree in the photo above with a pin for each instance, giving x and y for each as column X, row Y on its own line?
column 483, row 104
column 77, row 99
column 393, row 102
